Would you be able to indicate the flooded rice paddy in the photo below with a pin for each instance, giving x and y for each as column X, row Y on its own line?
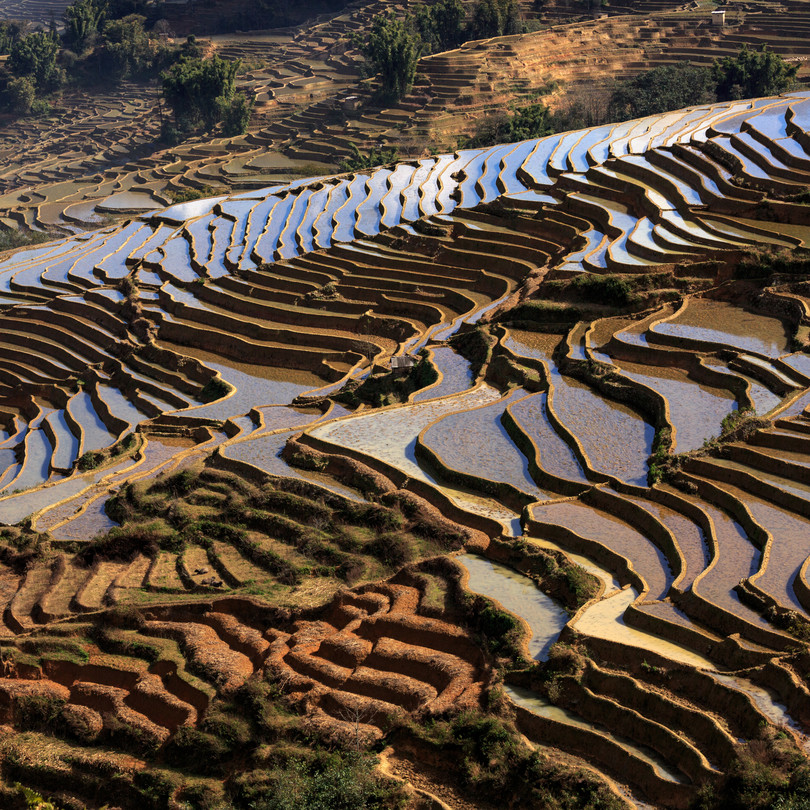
column 612, row 532
column 720, row 322
column 518, row 594
column 279, row 243
column 475, row 442
column 695, row 410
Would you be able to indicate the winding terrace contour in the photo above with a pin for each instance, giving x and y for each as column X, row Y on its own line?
column 223, row 329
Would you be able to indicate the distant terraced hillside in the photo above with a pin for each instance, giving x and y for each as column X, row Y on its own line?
column 97, row 156
column 604, row 390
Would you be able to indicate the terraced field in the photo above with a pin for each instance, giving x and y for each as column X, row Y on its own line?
column 98, row 157
column 577, row 362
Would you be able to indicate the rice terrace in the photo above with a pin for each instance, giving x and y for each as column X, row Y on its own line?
column 404, row 404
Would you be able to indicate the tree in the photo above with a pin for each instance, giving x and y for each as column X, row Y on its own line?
column 439, row 26
column 668, row 87
column 750, row 74
column 20, row 95
column 533, row 121
column 199, row 91
column 83, row 20
column 392, row 52
column 494, row 18
column 34, row 57
column 125, row 49
column 236, row 117
column 9, row 34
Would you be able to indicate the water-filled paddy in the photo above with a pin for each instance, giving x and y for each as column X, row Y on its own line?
column 518, row 594
column 735, row 559
column 556, row 457
column 390, row 435
column 455, row 375
column 720, row 322
column 255, row 385
column 67, row 445
column 763, row 399
column 95, row 435
column 35, row 469
column 695, row 410
column 538, row 705
column 605, row 619
column 789, row 548
column 604, row 528
column 91, row 522
column 616, row 440
column 475, row 442
column 688, row 535
column 264, row 452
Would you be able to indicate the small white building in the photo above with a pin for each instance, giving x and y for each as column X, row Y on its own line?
column 719, row 18
column 402, row 363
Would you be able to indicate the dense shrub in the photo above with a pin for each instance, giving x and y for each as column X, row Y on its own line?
column 391, row 51
column 200, row 92
column 196, row 750
column 336, row 780
column 663, row 88
column 751, row 73
column 124, row 542
column 610, row 290
column 391, row 549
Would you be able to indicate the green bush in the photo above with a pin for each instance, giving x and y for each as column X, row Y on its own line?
column 542, row 312
column 609, row 289
column 337, row 781
column 124, row 542
column 196, row 750
column 392, row 549
column 391, row 51
column 375, row 157
column 765, row 263
column 215, row 388
column 199, row 91
column 37, row 712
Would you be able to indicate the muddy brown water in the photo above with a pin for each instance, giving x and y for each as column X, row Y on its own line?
column 475, row 442
column 721, row 322
column 556, row 457
column 613, row 533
